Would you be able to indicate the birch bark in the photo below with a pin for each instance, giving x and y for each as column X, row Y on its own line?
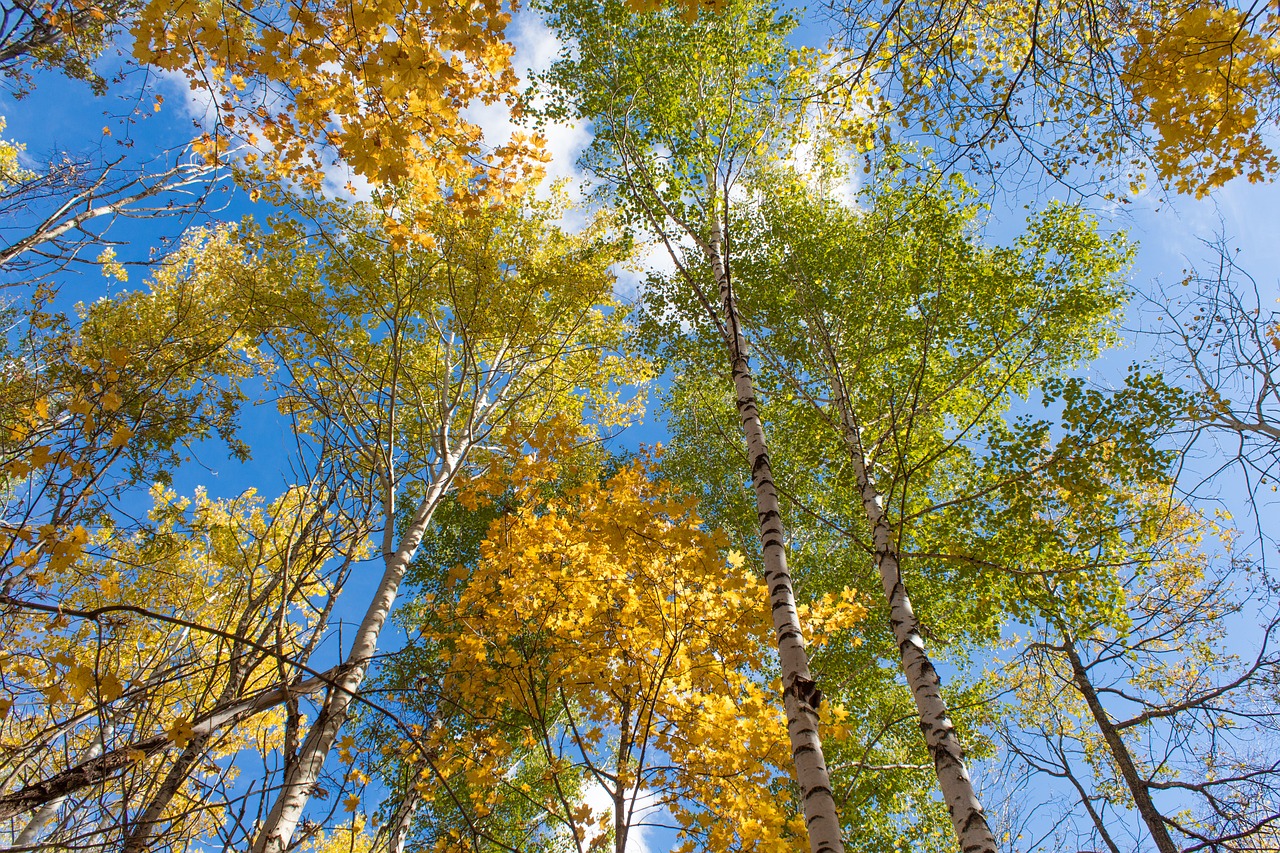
column 402, row 821
column 967, row 815
column 276, row 832
column 801, row 695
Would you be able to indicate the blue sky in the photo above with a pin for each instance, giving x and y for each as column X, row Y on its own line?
column 64, row 115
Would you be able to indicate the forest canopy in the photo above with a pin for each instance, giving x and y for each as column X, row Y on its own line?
column 701, row 425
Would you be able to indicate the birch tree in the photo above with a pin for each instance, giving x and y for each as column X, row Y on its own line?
column 681, row 111
column 887, row 331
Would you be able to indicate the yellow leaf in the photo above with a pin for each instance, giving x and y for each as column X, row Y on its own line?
column 81, row 679
column 180, row 732
column 110, row 688
column 121, row 437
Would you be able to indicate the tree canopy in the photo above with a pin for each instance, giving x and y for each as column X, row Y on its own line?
column 764, row 485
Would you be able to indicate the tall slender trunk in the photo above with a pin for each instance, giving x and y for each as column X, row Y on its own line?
column 1120, row 752
column 137, row 837
column 403, row 821
column 276, row 832
column 801, row 695
column 967, row 815
column 31, row 833
column 392, row 836
column 147, row 823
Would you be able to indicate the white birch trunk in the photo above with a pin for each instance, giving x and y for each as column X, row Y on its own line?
column 801, row 695
column 967, row 815
column 276, row 832
column 403, row 821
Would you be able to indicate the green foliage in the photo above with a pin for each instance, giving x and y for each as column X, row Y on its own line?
column 680, row 108
column 934, row 338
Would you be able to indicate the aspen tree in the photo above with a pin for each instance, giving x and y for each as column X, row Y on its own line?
column 389, row 360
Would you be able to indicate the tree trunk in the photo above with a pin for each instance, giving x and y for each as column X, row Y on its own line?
column 1124, row 761
column 277, row 830
column 145, row 826
column 402, row 821
column 137, row 837
column 967, row 816
column 801, row 695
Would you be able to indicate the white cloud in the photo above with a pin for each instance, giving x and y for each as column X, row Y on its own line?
column 536, row 49
column 641, row 837
column 652, row 258
column 197, row 104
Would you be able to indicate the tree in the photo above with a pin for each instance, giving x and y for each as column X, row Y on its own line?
column 681, row 111
column 391, row 361
column 67, row 36
column 1217, row 340
column 627, row 654
column 163, row 633
column 1147, row 710
column 54, row 218
column 891, row 345
column 1078, row 91
column 381, row 87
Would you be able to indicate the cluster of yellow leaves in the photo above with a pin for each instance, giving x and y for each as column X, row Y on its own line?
column 381, row 84
column 222, row 569
column 605, row 628
column 831, row 615
column 11, row 169
column 55, row 447
column 1205, row 75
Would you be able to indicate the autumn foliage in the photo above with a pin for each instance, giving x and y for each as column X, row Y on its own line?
column 327, row 527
